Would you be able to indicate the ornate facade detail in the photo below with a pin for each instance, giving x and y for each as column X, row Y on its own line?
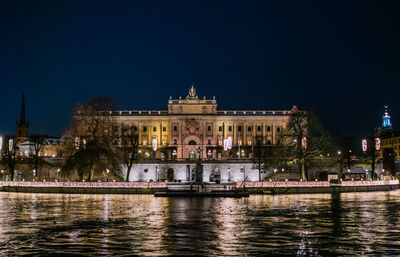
column 192, row 127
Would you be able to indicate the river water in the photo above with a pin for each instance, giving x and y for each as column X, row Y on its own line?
column 122, row 225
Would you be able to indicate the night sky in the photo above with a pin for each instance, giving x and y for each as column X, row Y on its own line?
column 339, row 58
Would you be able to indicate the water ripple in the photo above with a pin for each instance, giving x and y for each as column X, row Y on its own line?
column 126, row 225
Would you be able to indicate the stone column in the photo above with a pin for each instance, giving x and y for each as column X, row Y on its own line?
column 244, row 142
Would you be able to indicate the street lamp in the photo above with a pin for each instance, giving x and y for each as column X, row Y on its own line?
column 58, row 171
column 244, row 172
column 34, row 175
column 157, row 173
column 107, row 171
column 229, row 174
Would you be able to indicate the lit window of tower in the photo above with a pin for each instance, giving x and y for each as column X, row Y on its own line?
column 386, row 123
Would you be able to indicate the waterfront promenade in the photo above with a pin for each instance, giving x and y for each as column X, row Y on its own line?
column 263, row 187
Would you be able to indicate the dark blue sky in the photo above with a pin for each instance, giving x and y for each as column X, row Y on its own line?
column 339, row 58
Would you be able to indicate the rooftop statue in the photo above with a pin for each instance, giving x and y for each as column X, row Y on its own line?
column 192, row 94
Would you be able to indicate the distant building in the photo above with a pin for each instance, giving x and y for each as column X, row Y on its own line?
column 50, row 148
column 389, row 140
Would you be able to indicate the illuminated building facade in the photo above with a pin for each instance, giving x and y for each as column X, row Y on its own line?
column 190, row 123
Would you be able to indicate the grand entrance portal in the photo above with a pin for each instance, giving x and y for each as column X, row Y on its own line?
column 192, row 152
column 192, row 155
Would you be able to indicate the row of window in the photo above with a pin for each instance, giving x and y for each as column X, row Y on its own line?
column 144, row 142
column 249, row 128
column 209, row 128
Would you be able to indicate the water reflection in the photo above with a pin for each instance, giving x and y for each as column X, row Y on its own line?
column 311, row 225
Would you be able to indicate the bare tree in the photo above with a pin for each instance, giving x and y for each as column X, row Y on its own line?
column 305, row 140
column 129, row 149
column 348, row 147
column 87, row 144
column 37, row 141
column 372, row 153
column 9, row 152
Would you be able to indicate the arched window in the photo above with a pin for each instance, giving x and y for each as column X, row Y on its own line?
column 192, row 142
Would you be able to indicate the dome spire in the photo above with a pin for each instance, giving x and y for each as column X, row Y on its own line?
column 386, row 122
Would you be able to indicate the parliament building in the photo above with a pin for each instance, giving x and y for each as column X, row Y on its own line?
column 192, row 124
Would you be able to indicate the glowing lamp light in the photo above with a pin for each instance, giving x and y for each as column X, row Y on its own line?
column 77, row 142
column 10, row 145
column 377, row 144
column 1, row 143
column 154, row 144
column 229, row 143
column 225, row 144
column 304, row 142
column 364, row 145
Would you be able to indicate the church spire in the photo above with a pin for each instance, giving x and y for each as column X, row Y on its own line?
column 22, row 128
column 22, row 117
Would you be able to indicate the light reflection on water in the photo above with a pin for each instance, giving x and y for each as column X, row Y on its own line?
column 312, row 225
